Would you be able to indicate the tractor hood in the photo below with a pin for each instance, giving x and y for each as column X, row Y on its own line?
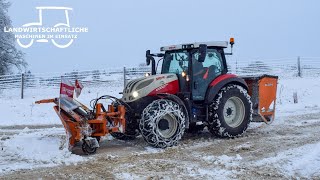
column 150, row 86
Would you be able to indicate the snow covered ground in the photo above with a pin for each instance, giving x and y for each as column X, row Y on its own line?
column 307, row 89
column 288, row 148
column 32, row 148
column 302, row 161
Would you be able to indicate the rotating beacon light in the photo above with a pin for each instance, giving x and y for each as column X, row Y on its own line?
column 231, row 43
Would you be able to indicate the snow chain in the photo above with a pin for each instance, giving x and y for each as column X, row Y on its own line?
column 151, row 116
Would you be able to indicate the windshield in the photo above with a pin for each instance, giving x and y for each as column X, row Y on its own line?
column 175, row 62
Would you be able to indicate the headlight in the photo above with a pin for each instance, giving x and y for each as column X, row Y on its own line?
column 135, row 94
column 183, row 74
column 147, row 75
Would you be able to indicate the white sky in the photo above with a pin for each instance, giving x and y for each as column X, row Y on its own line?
column 121, row 31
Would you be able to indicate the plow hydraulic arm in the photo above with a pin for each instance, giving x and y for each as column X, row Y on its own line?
column 87, row 125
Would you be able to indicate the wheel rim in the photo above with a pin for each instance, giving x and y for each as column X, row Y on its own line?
column 167, row 125
column 233, row 112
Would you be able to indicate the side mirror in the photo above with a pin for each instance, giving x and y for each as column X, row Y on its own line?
column 202, row 52
column 148, row 57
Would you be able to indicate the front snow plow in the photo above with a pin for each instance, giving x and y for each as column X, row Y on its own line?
column 87, row 125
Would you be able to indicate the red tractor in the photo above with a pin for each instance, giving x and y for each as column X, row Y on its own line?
column 194, row 90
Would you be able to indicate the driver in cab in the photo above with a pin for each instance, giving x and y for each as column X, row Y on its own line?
column 208, row 67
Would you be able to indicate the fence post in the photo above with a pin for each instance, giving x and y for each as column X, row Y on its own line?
column 299, row 67
column 295, row 97
column 236, row 66
column 22, row 85
column 124, row 77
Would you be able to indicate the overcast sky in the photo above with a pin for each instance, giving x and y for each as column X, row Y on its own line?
column 121, row 31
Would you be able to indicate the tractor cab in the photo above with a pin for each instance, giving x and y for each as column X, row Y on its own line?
column 196, row 65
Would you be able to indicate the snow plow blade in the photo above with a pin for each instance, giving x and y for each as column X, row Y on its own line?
column 263, row 92
column 87, row 125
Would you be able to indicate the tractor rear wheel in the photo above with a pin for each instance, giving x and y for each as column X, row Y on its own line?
column 231, row 112
column 162, row 123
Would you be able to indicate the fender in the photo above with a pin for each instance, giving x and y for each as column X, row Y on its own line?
column 221, row 81
column 179, row 101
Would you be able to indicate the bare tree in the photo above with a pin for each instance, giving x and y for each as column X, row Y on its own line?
column 10, row 56
column 257, row 67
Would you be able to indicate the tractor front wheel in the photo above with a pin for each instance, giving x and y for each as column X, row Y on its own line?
column 163, row 123
column 231, row 112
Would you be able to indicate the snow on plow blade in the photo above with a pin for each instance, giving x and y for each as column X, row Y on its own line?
column 263, row 92
column 81, row 123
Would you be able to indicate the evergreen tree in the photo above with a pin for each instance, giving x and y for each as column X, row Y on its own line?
column 10, row 56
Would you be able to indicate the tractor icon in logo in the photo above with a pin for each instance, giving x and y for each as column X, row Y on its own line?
column 40, row 24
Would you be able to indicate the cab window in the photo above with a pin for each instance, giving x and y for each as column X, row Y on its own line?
column 175, row 62
column 213, row 61
column 205, row 72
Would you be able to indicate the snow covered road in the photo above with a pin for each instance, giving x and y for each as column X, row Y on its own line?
column 289, row 148
column 32, row 148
